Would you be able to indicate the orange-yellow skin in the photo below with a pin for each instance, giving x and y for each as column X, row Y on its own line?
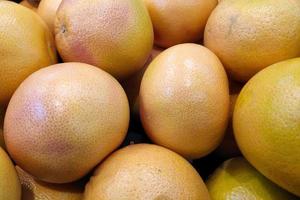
column 236, row 179
column 229, row 148
column 116, row 36
column 10, row 187
column 28, row 5
column 73, row 115
column 184, row 100
column 250, row 35
column 133, row 83
column 47, row 10
column 33, row 189
column 145, row 171
column 266, row 123
column 26, row 46
column 177, row 21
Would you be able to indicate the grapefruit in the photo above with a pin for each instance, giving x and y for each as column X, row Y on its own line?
column 116, row 36
column 266, row 123
column 250, row 35
column 26, row 46
column 145, row 171
column 184, row 100
column 236, row 179
column 73, row 115
column 177, row 21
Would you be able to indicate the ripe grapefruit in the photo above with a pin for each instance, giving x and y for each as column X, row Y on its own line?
column 145, row 171
column 236, row 179
column 266, row 123
column 26, row 46
column 184, row 100
column 73, row 115
column 250, row 35
column 116, row 36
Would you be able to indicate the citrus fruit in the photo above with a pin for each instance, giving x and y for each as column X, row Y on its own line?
column 145, row 171
column 132, row 84
column 73, row 115
column 33, row 189
column 266, row 123
column 250, row 35
column 47, row 10
column 26, row 46
column 184, row 100
column 10, row 187
column 116, row 36
column 177, row 21
column 236, row 179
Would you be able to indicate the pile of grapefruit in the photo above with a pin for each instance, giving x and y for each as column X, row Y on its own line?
column 150, row 100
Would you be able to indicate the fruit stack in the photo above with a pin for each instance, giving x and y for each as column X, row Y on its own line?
column 150, row 100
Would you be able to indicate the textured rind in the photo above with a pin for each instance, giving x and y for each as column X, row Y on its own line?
column 73, row 115
column 145, row 171
column 117, row 36
column 250, row 35
column 26, row 46
column 236, row 179
column 266, row 123
column 184, row 100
